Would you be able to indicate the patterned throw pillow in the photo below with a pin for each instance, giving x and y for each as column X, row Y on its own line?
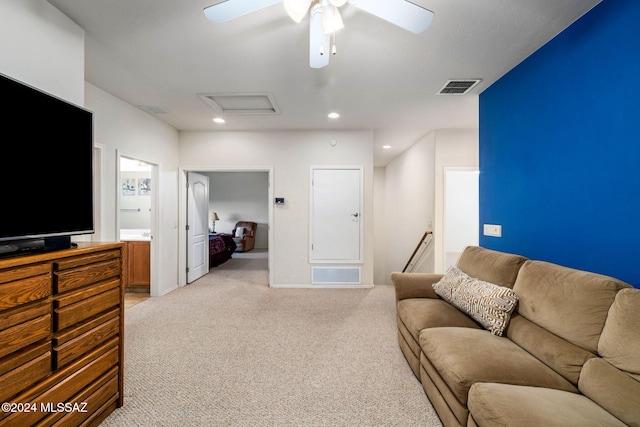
column 488, row 304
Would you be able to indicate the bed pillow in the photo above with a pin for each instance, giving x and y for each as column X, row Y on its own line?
column 488, row 304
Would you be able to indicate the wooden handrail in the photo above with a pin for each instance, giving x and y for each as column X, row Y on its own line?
column 426, row 234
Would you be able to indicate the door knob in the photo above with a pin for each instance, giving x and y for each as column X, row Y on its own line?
column 355, row 215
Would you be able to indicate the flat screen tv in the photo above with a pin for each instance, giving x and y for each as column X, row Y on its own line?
column 46, row 170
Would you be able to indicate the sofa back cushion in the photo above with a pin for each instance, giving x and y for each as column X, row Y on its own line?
column 620, row 340
column 571, row 304
column 495, row 267
column 613, row 380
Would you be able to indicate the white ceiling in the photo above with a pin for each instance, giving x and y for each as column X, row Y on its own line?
column 165, row 52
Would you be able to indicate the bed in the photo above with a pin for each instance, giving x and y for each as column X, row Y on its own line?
column 221, row 246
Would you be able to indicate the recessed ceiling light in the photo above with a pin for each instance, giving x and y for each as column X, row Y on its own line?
column 334, row 115
column 219, row 120
column 386, row 147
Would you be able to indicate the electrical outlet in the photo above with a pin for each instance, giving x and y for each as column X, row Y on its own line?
column 492, row 230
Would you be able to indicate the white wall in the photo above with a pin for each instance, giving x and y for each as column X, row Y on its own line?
column 43, row 48
column 454, row 148
column 123, row 128
column 379, row 221
column 414, row 196
column 290, row 154
column 409, row 204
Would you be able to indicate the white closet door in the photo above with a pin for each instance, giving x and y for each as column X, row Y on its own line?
column 336, row 215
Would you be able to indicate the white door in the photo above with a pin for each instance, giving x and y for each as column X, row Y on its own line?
column 336, row 215
column 197, row 227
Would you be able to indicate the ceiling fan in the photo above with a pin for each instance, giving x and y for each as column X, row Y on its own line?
column 326, row 19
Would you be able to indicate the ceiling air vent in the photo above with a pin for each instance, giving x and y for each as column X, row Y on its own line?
column 458, row 87
column 154, row 109
column 241, row 103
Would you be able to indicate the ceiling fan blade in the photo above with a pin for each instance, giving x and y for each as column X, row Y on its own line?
column 297, row 9
column 230, row 9
column 318, row 40
column 402, row 13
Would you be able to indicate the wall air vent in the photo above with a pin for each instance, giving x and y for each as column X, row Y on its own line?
column 241, row 103
column 458, row 87
column 335, row 275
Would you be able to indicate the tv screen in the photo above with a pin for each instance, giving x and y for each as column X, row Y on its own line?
column 46, row 166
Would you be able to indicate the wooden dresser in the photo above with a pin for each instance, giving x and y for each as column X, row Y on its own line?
column 61, row 336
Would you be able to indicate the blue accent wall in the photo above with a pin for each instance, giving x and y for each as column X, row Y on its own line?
column 560, row 148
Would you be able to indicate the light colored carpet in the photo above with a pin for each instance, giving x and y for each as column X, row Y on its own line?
column 227, row 350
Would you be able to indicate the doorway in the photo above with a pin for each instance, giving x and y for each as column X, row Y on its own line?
column 136, row 221
column 461, row 212
column 227, row 216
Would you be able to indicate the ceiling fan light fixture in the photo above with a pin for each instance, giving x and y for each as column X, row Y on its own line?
column 297, row 9
column 318, row 40
column 331, row 19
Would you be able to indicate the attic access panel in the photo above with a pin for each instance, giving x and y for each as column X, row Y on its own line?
column 241, row 103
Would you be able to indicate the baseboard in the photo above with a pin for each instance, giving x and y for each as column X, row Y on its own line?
column 308, row 286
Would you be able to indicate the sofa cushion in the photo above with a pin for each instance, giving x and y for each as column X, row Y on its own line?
column 613, row 389
column 419, row 313
column 557, row 353
column 464, row 356
column 559, row 298
column 416, row 314
column 508, row 405
column 488, row 304
column 491, row 266
column 620, row 340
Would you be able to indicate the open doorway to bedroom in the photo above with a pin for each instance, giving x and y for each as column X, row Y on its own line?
column 239, row 214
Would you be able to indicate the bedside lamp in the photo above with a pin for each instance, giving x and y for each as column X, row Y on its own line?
column 214, row 218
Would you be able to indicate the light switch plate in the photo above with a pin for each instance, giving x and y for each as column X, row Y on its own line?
column 492, row 230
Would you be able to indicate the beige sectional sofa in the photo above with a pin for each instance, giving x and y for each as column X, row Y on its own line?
column 501, row 340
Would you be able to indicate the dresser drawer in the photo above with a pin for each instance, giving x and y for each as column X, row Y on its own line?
column 62, row 387
column 24, row 291
column 62, row 337
column 73, row 278
column 27, row 372
column 24, row 284
column 24, row 327
column 65, row 353
column 89, row 306
column 101, row 392
column 83, row 260
column 22, row 272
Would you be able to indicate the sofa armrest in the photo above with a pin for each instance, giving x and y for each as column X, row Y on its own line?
column 414, row 285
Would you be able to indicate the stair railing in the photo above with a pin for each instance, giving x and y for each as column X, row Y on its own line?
column 427, row 238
